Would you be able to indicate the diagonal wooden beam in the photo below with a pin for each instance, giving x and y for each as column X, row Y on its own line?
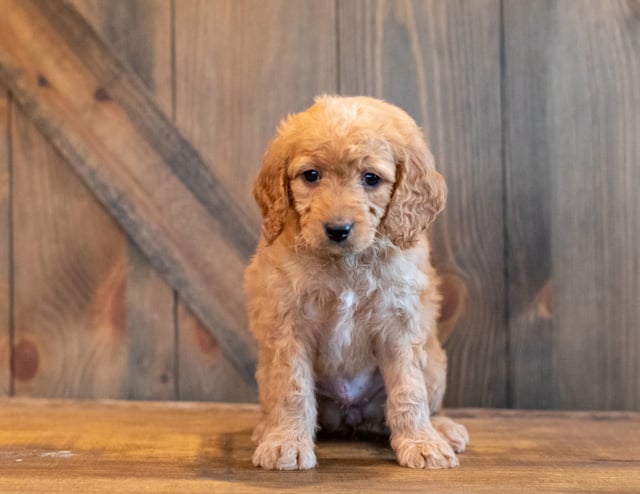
column 105, row 124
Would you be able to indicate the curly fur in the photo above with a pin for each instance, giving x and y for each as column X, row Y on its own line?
column 346, row 330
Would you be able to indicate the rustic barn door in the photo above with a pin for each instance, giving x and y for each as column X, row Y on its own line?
column 89, row 316
column 130, row 133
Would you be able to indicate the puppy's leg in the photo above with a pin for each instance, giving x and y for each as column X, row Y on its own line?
column 436, row 379
column 435, row 373
column 413, row 437
column 286, row 434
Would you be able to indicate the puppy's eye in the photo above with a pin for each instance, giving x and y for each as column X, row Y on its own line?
column 311, row 175
column 370, row 179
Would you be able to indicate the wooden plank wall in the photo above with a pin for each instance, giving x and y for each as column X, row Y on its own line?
column 572, row 142
column 68, row 285
column 140, row 33
column 170, row 354
column 531, row 109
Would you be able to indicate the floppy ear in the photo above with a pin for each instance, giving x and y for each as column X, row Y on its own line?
column 271, row 190
column 420, row 193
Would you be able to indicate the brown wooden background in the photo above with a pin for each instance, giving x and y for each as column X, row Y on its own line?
column 533, row 112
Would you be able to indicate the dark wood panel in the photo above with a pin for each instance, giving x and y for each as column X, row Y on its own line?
column 528, row 213
column 573, row 106
column 5, row 251
column 69, row 278
column 440, row 61
column 127, row 447
column 241, row 66
column 104, row 122
column 139, row 32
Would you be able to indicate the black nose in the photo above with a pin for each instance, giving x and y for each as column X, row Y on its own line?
column 337, row 232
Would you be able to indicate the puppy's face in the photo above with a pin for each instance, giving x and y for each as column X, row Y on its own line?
column 341, row 192
column 350, row 171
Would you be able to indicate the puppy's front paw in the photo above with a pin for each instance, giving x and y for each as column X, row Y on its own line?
column 455, row 434
column 428, row 451
column 277, row 454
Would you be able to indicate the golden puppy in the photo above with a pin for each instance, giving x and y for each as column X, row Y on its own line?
column 342, row 297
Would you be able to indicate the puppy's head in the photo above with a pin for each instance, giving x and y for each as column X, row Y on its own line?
column 349, row 170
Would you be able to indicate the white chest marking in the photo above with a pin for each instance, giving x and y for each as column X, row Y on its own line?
column 343, row 331
column 348, row 300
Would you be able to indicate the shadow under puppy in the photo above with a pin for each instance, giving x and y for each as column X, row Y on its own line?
column 342, row 297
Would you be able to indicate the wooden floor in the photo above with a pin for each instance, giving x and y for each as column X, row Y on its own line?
column 66, row 446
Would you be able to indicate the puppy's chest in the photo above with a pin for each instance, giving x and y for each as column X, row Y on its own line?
column 348, row 317
column 350, row 309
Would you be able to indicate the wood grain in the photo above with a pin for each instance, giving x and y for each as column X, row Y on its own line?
column 235, row 80
column 106, row 125
column 573, row 99
column 204, row 373
column 5, row 249
column 528, row 208
column 132, row 98
column 139, row 32
column 187, row 447
column 151, row 328
column 69, row 278
column 440, row 61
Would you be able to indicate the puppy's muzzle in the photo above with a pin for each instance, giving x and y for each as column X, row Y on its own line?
column 337, row 232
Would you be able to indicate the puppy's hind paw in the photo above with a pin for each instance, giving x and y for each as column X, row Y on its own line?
column 427, row 452
column 284, row 455
column 454, row 433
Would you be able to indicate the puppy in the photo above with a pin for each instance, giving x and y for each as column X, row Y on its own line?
column 342, row 297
